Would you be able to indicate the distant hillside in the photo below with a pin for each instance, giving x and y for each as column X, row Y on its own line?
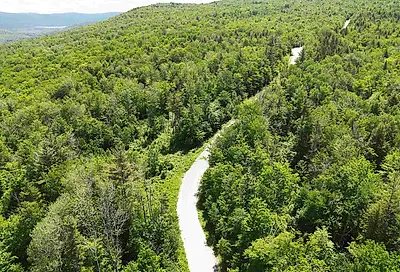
column 97, row 124
column 13, row 21
column 20, row 26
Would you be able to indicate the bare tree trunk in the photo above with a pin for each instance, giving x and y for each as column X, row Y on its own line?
column 113, row 223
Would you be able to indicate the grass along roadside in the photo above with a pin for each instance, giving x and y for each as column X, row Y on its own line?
column 172, row 186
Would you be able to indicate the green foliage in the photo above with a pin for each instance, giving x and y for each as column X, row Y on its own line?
column 338, row 196
column 382, row 221
column 310, row 168
column 7, row 262
column 246, row 195
column 371, row 256
column 105, row 219
column 285, row 253
column 96, row 123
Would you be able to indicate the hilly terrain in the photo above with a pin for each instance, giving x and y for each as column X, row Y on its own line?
column 99, row 123
column 17, row 26
column 12, row 21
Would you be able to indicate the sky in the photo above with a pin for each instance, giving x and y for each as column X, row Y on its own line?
column 83, row 6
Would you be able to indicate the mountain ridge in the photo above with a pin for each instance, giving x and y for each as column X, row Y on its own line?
column 100, row 123
column 13, row 21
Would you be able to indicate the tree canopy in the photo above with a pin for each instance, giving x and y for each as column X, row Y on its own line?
column 99, row 123
column 307, row 179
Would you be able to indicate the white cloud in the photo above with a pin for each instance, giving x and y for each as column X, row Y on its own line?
column 87, row 6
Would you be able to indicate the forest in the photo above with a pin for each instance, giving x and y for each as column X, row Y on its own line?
column 99, row 123
column 308, row 177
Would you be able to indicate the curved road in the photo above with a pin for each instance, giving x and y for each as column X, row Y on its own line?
column 200, row 257
column 346, row 24
column 295, row 54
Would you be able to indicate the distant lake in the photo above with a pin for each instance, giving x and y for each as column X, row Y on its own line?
column 51, row 27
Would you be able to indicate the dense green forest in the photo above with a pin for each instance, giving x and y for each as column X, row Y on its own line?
column 308, row 178
column 99, row 123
